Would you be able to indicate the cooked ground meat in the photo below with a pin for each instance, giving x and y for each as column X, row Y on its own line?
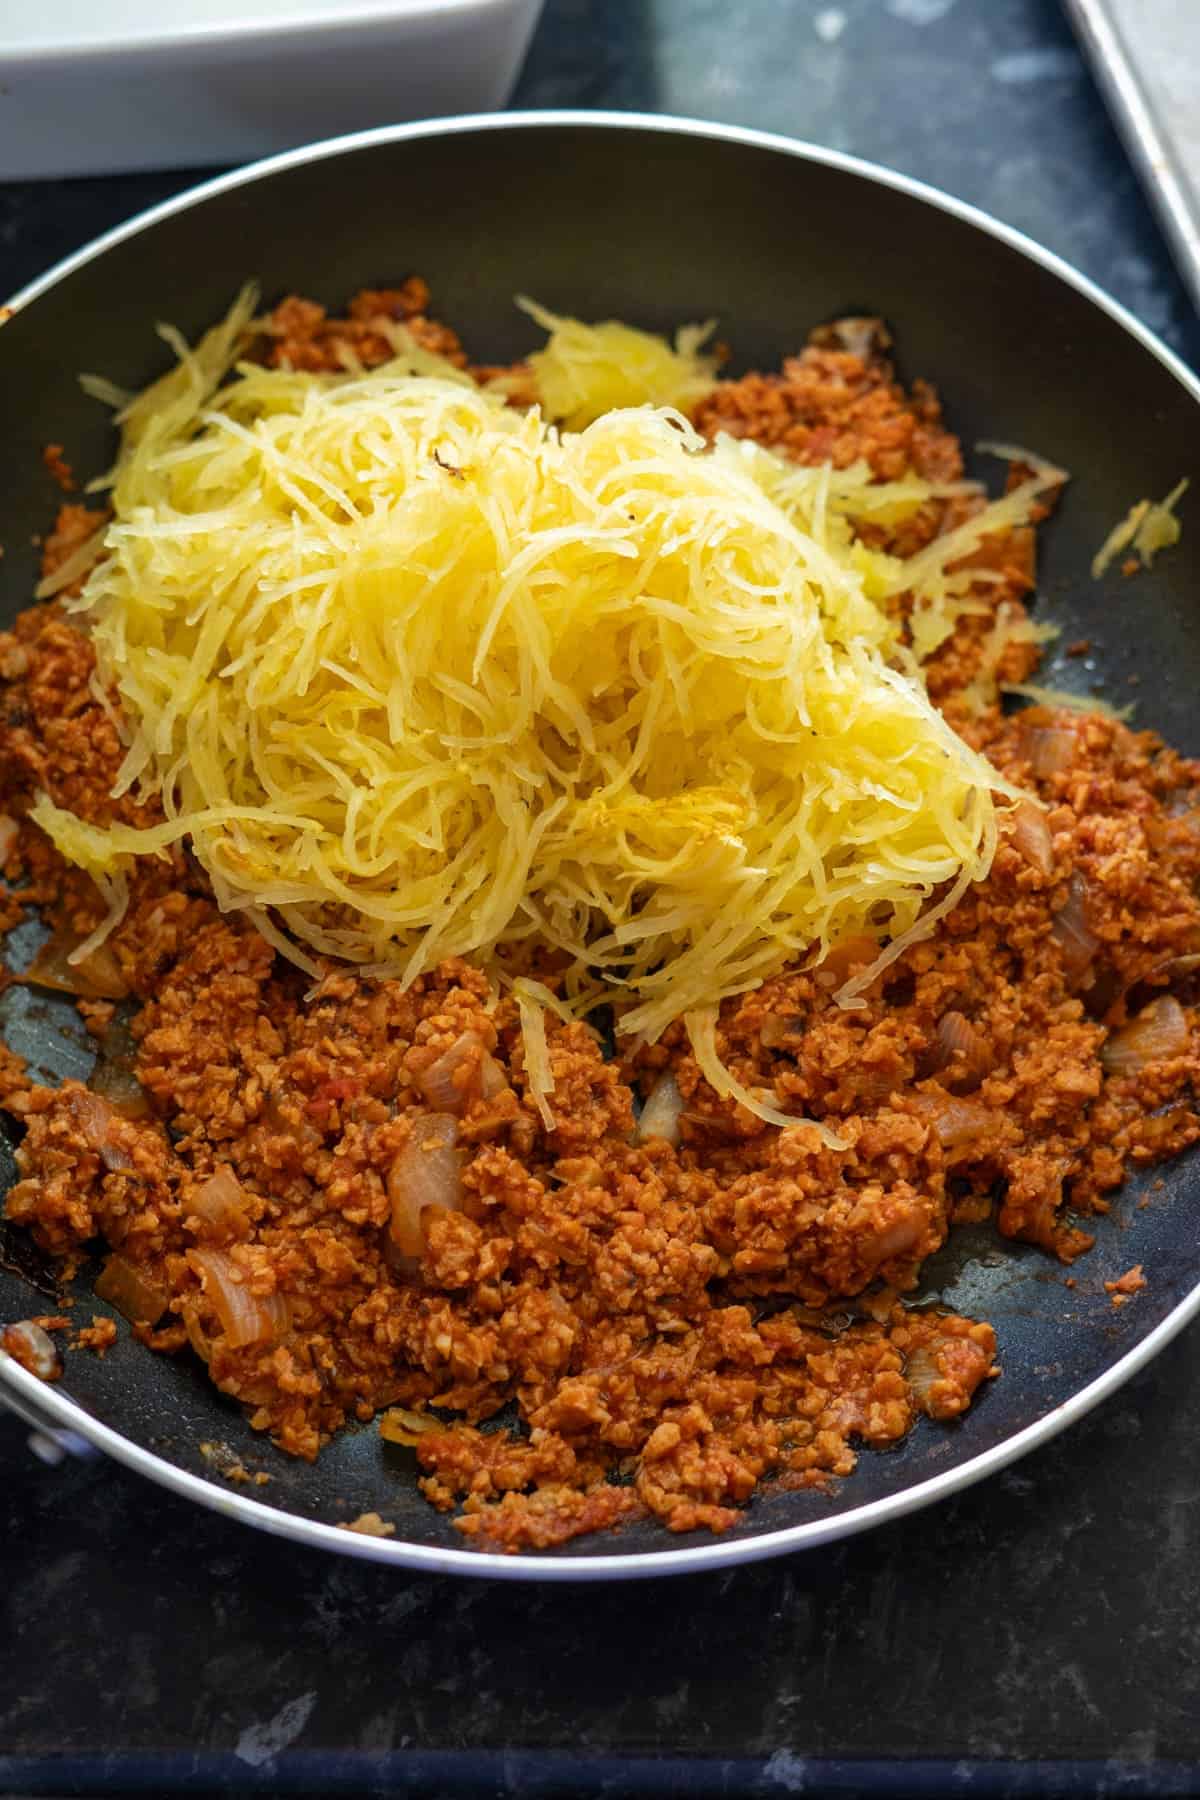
column 1126, row 1286
column 58, row 467
column 371, row 1525
column 615, row 1328
column 99, row 1336
column 302, row 336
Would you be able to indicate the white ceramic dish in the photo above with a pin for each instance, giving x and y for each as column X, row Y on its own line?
column 87, row 89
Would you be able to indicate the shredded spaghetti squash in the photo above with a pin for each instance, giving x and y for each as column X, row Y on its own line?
column 587, row 370
column 1147, row 528
column 416, row 674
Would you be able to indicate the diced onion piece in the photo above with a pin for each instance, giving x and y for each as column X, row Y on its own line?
column 447, row 1083
column 33, row 1348
column 537, row 1051
column 121, row 1088
column 702, row 1032
column 962, row 1050
column 197, row 1337
column 134, row 1295
column 244, row 1317
column 661, row 1113
column 1030, row 835
column 920, row 1372
column 98, row 1121
column 1075, row 936
column 400, row 1425
column 462, row 1074
column 938, row 1389
column 1159, row 1032
column 220, row 1205
column 427, row 1172
column 1048, row 747
column 96, row 977
column 957, row 1123
column 894, row 1238
column 113, row 1077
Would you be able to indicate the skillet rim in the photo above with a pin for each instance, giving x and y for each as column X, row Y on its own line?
column 36, row 1403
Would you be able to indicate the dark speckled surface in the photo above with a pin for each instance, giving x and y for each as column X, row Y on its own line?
column 1038, row 1635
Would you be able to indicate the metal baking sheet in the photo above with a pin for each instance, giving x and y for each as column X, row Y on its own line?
column 1146, row 57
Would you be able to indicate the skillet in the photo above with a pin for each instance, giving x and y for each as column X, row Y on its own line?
column 656, row 221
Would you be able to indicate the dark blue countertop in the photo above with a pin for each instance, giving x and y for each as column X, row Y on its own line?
column 1039, row 1635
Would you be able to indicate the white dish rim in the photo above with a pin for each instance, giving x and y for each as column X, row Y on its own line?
column 257, row 29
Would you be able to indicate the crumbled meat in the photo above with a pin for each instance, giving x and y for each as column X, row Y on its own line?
column 73, row 526
column 58, row 468
column 369, row 1524
column 1123, row 1289
column 99, row 1336
column 300, row 335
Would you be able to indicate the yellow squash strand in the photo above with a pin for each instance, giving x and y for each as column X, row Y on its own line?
column 418, row 674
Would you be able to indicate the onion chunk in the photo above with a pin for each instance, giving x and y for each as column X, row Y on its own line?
column 400, row 1425
column 1031, row 835
column 134, row 1295
column 96, row 977
column 1159, row 1032
column 220, row 1205
column 1074, row 935
column 98, row 1122
column 962, row 1053
column 467, row 1071
column 244, row 1317
column 33, row 1348
column 957, row 1123
column 427, row 1172
column 1047, row 742
column 662, row 1111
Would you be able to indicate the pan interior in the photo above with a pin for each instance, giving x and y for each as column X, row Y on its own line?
column 657, row 227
